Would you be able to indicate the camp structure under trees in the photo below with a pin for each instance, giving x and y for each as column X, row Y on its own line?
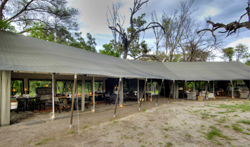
column 51, row 66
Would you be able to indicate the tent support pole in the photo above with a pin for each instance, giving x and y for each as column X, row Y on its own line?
column 206, row 98
column 138, row 90
column 83, row 92
column 53, row 97
column 93, row 94
column 194, row 89
column 143, row 92
column 151, row 92
column 116, row 101
column 159, row 92
column 232, row 88
column 73, row 100
column 213, row 90
column 171, row 93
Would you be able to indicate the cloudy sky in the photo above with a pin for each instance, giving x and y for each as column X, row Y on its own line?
column 92, row 16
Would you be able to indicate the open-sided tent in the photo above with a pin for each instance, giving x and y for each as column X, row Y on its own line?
column 26, row 54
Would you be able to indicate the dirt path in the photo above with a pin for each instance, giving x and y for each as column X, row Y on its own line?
column 181, row 123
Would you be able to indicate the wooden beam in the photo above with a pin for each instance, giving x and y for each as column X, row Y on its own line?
column 73, row 100
column 116, row 101
column 140, row 101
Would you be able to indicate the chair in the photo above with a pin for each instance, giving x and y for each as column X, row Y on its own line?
column 61, row 103
column 14, row 106
column 191, row 96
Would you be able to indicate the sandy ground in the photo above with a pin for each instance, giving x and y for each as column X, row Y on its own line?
column 178, row 123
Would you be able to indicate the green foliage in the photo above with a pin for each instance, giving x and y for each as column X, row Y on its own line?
column 109, row 50
column 241, row 52
column 228, row 53
column 53, row 13
column 63, row 36
column 215, row 132
column 168, row 144
column 244, row 122
column 44, row 141
column 248, row 62
column 6, row 26
column 232, row 108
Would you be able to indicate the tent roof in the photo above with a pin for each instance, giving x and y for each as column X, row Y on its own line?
column 22, row 53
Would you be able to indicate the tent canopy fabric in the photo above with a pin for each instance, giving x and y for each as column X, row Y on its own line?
column 22, row 53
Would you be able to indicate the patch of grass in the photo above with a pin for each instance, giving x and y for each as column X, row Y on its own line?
column 168, row 144
column 204, row 116
column 115, row 121
column 244, row 107
column 160, row 143
column 226, row 126
column 236, row 127
column 71, row 132
column 244, row 122
column 134, row 127
column 140, row 134
column 85, row 127
column 217, row 142
column 166, row 136
column 44, row 141
column 29, row 141
column 228, row 111
column 213, row 115
column 215, row 132
column 222, row 119
column 143, row 146
column 188, row 135
column 144, row 110
column 248, row 129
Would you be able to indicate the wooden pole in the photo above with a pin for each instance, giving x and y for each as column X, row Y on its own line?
column 151, row 91
column 206, row 90
column 53, row 96
column 232, row 88
column 93, row 94
column 159, row 92
column 143, row 92
column 213, row 90
column 116, row 101
column 171, row 93
column 138, row 90
column 73, row 100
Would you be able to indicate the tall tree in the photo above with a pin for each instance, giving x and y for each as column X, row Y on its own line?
column 174, row 27
column 113, row 17
column 231, row 27
column 228, row 53
column 158, row 32
column 241, row 52
column 128, row 35
column 52, row 13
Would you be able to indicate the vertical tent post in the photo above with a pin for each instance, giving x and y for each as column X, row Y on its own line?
column 151, row 91
column 83, row 92
column 232, row 88
column 159, row 92
column 143, row 92
column 104, row 86
column 194, row 90
column 73, row 100
column 116, row 101
column 138, row 90
column 183, row 89
column 213, row 90
column 121, row 93
column 93, row 94
column 206, row 94
column 5, row 97
column 171, row 93
column 53, row 97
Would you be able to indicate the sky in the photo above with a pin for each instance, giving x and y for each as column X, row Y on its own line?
column 92, row 18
